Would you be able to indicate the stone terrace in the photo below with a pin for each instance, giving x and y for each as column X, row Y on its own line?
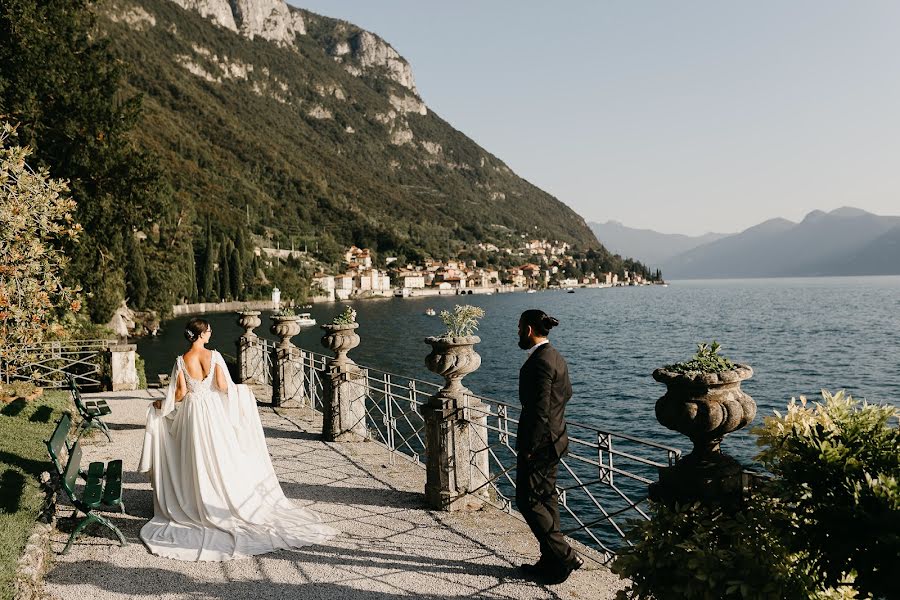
column 390, row 547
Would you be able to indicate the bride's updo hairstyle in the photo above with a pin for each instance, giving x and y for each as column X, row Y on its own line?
column 539, row 321
column 195, row 328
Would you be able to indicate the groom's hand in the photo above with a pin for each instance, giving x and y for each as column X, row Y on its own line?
column 157, row 404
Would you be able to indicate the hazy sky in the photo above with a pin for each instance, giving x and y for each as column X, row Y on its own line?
column 684, row 117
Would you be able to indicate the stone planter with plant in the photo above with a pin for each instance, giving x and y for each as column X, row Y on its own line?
column 455, row 421
column 704, row 401
column 285, row 325
column 453, row 353
column 340, row 335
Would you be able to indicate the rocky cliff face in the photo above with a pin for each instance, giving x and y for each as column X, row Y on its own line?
column 359, row 51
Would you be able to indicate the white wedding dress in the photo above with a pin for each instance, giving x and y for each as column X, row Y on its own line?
column 215, row 494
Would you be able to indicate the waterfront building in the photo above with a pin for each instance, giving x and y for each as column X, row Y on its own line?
column 411, row 280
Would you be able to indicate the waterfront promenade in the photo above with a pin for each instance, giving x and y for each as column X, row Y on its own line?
column 390, row 545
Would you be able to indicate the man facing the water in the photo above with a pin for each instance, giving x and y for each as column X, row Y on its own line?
column 541, row 442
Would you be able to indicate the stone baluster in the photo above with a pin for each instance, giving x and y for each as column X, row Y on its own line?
column 287, row 381
column 346, row 387
column 250, row 353
column 457, row 469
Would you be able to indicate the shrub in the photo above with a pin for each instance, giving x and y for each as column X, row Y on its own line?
column 701, row 552
column 837, row 465
column 347, row 317
column 35, row 221
column 707, row 360
column 826, row 527
column 463, row 321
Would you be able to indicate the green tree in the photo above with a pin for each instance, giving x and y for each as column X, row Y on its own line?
column 36, row 219
column 237, row 275
column 209, row 261
column 136, row 280
column 62, row 84
column 193, row 292
column 224, row 271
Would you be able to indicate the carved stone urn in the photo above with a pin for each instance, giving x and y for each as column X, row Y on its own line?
column 705, row 406
column 249, row 320
column 453, row 358
column 340, row 339
column 285, row 327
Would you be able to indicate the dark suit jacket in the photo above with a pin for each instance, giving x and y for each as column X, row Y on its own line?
column 544, row 389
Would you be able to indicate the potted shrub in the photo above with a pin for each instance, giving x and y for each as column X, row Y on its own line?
column 340, row 335
column 453, row 353
column 285, row 325
column 704, row 400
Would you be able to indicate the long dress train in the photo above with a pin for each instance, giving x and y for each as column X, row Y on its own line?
column 215, row 494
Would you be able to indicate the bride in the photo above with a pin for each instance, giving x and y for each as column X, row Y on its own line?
column 215, row 493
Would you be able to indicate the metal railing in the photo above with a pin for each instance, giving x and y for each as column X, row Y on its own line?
column 46, row 364
column 602, row 481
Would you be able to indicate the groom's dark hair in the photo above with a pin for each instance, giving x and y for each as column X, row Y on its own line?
column 539, row 321
column 194, row 328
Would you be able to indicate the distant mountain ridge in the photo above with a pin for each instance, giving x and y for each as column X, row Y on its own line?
column 651, row 247
column 845, row 241
column 307, row 129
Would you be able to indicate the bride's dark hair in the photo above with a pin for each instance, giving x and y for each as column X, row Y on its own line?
column 195, row 328
column 539, row 321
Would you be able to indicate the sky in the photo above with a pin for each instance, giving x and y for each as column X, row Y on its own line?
column 683, row 117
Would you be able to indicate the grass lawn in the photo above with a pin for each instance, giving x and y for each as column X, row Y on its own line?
column 23, row 428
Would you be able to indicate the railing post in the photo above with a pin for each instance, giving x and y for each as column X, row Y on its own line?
column 250, row 359
column 123, row 370
column 287, row 384
column 346, row 387
column 456, row 463
column 344, row 403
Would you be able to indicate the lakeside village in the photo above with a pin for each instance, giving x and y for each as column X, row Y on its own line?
column 550, row 266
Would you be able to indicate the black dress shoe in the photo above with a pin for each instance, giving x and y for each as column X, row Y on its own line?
column 538, row 569
column 561, row 573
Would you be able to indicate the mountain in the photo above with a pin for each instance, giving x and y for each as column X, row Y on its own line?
column 309, row 130
column 651, row 247
column 845, row 241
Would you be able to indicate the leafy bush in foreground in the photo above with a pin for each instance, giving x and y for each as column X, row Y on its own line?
column 827, row 527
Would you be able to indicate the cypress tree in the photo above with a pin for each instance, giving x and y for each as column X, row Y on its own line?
column 224, row 272
column 192, row 291
column 237, row 275
column 136, row 285
column 208, row 291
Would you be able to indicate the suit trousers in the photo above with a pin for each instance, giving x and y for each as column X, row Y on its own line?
column 537, row 500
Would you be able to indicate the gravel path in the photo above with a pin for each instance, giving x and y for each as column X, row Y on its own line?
column 391, row 547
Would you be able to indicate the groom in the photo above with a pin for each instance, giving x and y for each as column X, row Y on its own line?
column 541, row 441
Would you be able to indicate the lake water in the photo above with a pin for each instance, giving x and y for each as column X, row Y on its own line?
column 799, row 335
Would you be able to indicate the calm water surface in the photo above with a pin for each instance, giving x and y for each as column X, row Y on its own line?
column 800, row 336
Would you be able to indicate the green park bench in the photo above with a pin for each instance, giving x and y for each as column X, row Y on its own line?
column 102, row 481
column 91, row 411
